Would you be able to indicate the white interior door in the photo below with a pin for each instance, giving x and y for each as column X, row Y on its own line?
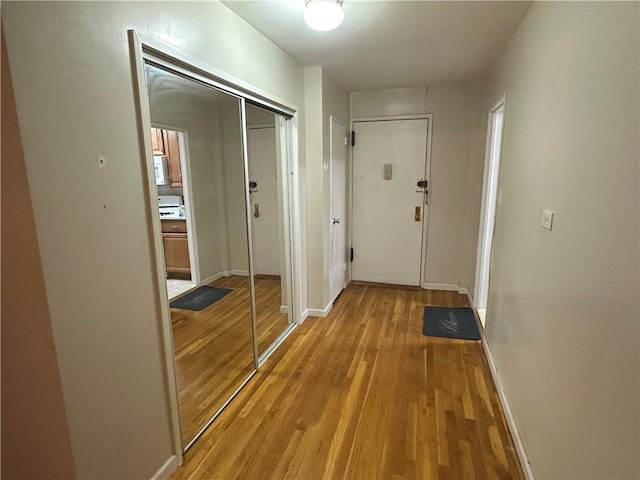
column 261, row 143
column 338, row 229
column 388, row 213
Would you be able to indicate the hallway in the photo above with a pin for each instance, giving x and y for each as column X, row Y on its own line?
column 363, row 394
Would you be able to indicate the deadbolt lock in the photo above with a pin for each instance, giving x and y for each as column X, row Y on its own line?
column 422, row 183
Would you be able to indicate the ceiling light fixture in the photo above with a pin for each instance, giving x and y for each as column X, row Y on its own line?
column 323, row 15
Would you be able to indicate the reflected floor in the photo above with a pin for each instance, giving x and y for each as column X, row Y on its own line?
column 270, row 320
column 214, row 350
column 176, row 287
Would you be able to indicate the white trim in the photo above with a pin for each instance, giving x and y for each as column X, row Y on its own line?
column 427, row 176
column 224, row 273
column 260, row 126
column 298, row 268
column 328, row 261
column 426, row 217
column 187, row 193
column 284, row 309
column 240, row 273
column 523, row 458
column 249, row 226
column 464, row 291
column 303, row 316
column 483, row 258
column 413, row 116
column 449, row 287
column 214, row 277
column 165, row 471
column 155, row 234
column 321, row 313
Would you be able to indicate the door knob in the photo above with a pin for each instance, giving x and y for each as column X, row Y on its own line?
column 336, row 220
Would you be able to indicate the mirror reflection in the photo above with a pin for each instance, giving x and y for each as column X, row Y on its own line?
column 269, row 222
column 199, row 170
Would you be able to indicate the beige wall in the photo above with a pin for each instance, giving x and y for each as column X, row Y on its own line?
column 324, row 97
column 314, row 187
column 388, row 102
column 35, row 437
column 563, row 313
column 451, row 109
column 475, row 176
column 75, row 101
column 233, row 187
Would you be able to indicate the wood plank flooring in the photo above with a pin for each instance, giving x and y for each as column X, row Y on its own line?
column 362, row 394
column 214, row 347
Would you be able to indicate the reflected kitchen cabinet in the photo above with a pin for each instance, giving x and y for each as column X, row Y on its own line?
column 173, row 154
column 166, row 143
column 176, row 249
column 157, row 141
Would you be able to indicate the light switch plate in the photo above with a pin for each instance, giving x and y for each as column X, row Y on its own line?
column 547, row 219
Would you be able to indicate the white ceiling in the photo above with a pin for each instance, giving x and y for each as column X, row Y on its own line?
column 385, row 44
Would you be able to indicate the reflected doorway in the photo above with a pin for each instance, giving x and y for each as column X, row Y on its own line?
column 212, row 325
column 269, row 223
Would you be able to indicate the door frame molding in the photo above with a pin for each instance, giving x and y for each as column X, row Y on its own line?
column 194, row 258
column 425, row 218
column 332, row 119
column 481, row 264
column 145, row 48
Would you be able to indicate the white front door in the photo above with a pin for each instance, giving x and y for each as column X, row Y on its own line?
column 261, row 143
column 337, row 227
column 389, row 159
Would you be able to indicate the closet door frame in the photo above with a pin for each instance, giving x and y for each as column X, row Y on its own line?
column 144, row 50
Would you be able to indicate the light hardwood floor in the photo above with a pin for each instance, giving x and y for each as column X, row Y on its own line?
column 214, row 350
column 363, row 394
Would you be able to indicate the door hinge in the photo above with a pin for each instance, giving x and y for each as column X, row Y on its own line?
column 353, row 138
column 351, row 254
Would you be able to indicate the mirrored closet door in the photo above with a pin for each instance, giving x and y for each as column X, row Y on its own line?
column 221, row 198
column 211, row 320
column 269, row 202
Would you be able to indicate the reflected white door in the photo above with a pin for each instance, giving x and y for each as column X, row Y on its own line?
column 388, row 213
column 338, row 207
column 261, row 143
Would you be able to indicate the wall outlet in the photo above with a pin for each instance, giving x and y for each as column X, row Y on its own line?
column 547, row 219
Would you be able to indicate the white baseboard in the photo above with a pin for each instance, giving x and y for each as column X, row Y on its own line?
column 450, row 287
column 316, row 312
column 465, row 291
column 213, row 278
column 525, row 463
column 165, row 471
column 284, row 309
column 304, row 316
column 224, row 273
column 240, row 273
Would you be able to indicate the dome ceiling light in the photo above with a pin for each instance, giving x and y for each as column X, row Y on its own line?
column 323, row 15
